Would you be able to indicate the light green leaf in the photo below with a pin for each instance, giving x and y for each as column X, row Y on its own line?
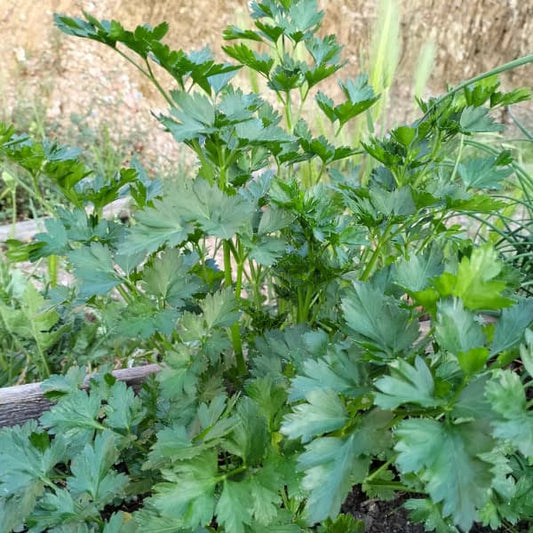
column 511, row 326
column 515, row 421
column 424, row 510
column 526, row 352
column 168, row 278
column 234, row 508
column 92, row 471
column 378, row 321
column 414, row 274
column 23, row 466
column 155, row 227
column 446, row 458
column 475, row 282
column 188, row 495
column 220, row 309
column 406, row 384
column 477, row 119
column 333, row 464
column 323, row 413
column 456, row 329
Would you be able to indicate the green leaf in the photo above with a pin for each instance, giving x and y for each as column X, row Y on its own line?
column 424, row 510
column 249, row 438
column 155, row 227
column 473, row 361
column 232, row 32
column 406, row 384
column 343, row 524
column 78, row 410
column 220, row 309
column 456, row 329
column 261, row 63
column 378, row 320
column 234, row 506
column 511, row 326
column 333, row 464
column 526, row 352
column 414, row 274
column 23, row 466
column 477, row 119
column 123, row 408
column 515, row 421
column 274, row 219
column 339, row 372
column 476, row 281
column 33, row 321
column 168, row 277
column 446, row 458
column 188, row 494
column 94, row 268
column 195, row 116
column 323, row 412
column 265, row 496
column 92, row 471
column 483, row 173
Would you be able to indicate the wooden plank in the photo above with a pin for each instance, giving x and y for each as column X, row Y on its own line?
column 27, row 229
column 21, row 403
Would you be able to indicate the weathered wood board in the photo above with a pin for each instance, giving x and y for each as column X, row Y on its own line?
column 21, row 403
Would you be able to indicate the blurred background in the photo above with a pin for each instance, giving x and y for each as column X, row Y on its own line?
column 84, row 94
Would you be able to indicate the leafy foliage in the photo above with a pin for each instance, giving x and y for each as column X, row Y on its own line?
column 280, row 290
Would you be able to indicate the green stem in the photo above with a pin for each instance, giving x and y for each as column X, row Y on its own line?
column 375, row 255
column 235, row 332
column 457, row 159
column 498, row 70
column 153, row 79
column 53, row 266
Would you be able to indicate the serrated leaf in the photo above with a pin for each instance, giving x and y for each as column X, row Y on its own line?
column 332, row 464
column 456, row 329
column 92, row 473
column 78, row 410
column 477, row 119
column 234, row 506
column 476, row 281
column 323, row 412
column 168, row 277
column 446, row 458
column 406, row 384
column 188, row 495
column 424, row 510
column 123, row 408
column 24, row 467
column 526, row 352
column 339, row 373
column 372, row 315
column 414, row 274
column 246, row 56
column 274, row 219
column 155, row 227
column 483, row 173
column 511, row 326
column 220, row 309
column 515, row 422
column 94, row 269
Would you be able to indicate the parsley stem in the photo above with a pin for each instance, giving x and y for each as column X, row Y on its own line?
column 235, row 331
column 498, row 70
